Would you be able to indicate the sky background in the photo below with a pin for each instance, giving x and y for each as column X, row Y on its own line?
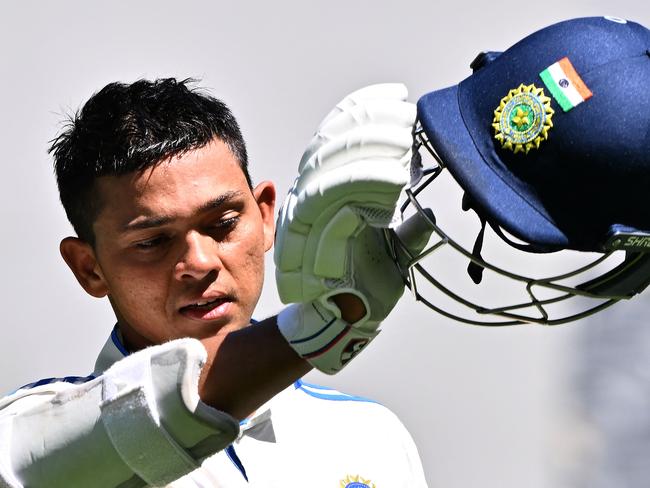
column 487, row 407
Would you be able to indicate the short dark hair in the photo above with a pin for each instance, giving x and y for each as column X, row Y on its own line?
column 125, row 128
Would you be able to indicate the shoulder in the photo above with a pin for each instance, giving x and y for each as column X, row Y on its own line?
column 54, row 382
column 309, row 401
column 39, row 391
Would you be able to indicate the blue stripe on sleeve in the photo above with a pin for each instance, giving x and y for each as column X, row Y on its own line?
column 326, row 393
column 75, row 380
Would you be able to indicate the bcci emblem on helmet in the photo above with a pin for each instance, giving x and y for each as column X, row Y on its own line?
column 523, row 118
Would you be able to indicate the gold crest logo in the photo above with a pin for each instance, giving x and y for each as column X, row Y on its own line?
column 356, row 482
column 523, row 118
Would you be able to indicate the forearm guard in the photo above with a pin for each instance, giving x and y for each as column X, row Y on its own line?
column 140, row 423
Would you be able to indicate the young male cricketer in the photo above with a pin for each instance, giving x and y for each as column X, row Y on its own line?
column 153, row 177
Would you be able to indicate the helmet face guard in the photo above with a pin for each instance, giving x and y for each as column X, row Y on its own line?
column 549, row 299
column 538, row 143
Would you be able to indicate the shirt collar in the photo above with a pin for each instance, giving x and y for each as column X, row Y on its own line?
column 112, row 352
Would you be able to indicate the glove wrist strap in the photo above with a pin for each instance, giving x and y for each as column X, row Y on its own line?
column 318, row 335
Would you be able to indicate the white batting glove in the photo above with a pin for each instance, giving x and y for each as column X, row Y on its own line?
column 329, row 239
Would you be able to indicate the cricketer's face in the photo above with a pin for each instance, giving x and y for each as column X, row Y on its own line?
column 180, row 247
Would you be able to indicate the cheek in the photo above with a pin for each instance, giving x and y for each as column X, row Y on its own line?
column 248, row 262
column 132, row 286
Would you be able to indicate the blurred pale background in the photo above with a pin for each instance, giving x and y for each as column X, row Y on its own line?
column 486, row 407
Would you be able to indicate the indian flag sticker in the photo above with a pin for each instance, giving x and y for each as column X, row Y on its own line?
column 565, row 84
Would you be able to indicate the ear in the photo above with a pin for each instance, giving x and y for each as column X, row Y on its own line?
column 264, row 194
column 80, row 258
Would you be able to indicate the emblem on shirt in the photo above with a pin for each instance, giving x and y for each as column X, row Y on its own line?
column 523, row 118
column 356, row 482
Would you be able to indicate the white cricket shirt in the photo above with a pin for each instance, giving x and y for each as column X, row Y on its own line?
column 306, row 436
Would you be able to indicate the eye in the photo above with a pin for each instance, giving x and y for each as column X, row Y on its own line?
column 227, row 223
column 152, row 243
column 223, row 228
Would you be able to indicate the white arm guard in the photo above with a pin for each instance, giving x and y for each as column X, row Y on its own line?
column 140, row 423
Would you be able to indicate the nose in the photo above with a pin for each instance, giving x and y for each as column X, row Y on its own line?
column 200, row 257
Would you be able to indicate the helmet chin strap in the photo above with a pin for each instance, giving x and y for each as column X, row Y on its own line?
column 475, row 270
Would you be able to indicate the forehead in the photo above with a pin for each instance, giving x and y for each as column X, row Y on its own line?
column 175, row 186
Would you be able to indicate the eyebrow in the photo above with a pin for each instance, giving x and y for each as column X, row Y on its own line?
column 141, row 223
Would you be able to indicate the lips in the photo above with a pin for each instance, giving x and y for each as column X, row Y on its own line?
column 207, row 309
column 206, row 303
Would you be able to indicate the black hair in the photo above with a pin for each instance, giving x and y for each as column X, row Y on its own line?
column 125, row 128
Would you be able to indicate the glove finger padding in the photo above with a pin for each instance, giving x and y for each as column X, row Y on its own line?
column 370, row 183
column 374, row 141
column 390, row 113
column 379, row 91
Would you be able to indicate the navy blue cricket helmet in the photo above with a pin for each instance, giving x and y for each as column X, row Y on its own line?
column 550, row 141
